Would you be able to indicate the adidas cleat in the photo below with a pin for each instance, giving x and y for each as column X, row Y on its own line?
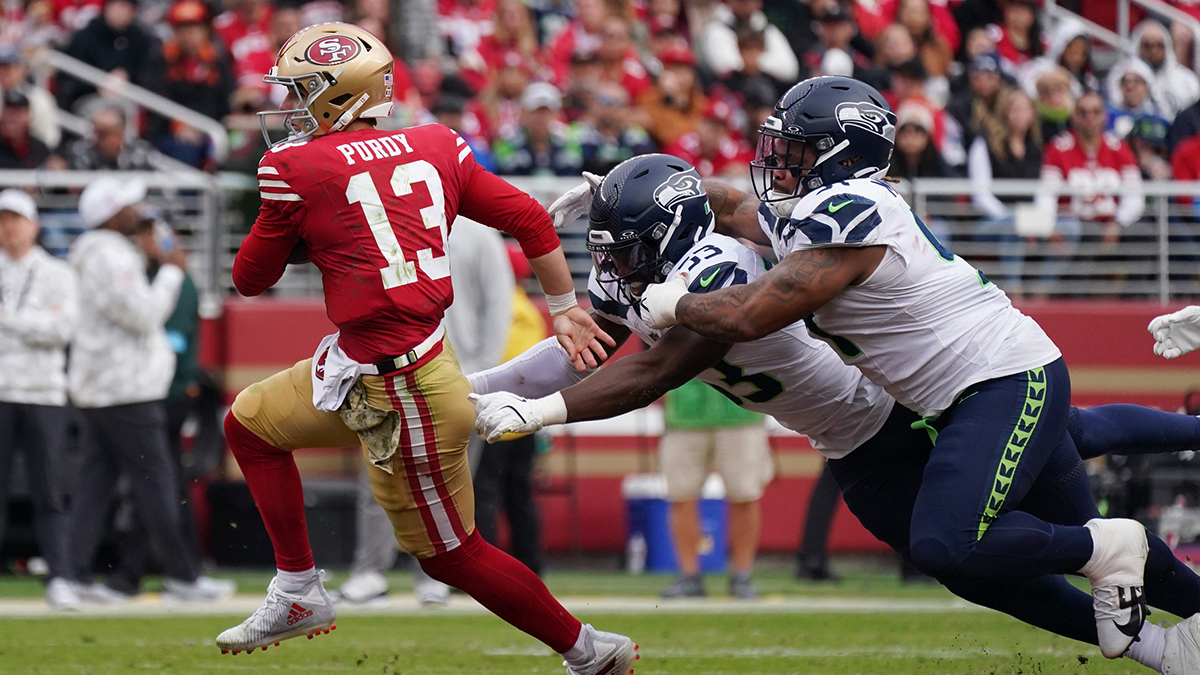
column 606, row 654
column 282, row 616
column 1117, row 569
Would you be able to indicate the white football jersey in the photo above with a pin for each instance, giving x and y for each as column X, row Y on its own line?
column 926, row 324
column 789, row 375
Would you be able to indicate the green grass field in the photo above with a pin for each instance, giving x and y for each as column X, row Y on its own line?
column 672, row 642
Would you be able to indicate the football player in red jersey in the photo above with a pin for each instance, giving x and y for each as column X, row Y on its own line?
column 372, row 210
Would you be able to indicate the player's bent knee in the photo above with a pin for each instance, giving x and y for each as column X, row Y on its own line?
column 931, row 556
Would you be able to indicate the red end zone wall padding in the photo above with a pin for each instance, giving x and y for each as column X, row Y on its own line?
column 1105, row 344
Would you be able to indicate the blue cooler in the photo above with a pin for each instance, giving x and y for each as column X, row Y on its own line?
column 648, row 535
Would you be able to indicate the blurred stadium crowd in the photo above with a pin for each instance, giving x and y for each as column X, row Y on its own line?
column 560, row 86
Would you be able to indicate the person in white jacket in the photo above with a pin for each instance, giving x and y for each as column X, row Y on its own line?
column 720, row 48
column 37, row 315
column 1177, row 85
column 119, row 371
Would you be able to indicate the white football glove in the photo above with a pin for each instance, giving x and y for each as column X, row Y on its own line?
column 659, row 301
column 1176, row 334
column 575, row 202
column 506, row 413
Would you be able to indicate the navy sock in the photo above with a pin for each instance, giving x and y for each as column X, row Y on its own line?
column 1050, row 603
column 1124, row 429
column 1170, row 585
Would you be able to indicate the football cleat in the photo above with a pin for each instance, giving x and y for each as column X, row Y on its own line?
column 1116, row 570
column 282, row 616
column 429, row 591
column 1181, row 647
column 361, row 588
column 62, row 594
column 605, row 654
column 203, row 589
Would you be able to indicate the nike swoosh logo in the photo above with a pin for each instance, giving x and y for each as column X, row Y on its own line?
column 834, row 208
column 705, row 282
column 1136, row 604
column 967, row 396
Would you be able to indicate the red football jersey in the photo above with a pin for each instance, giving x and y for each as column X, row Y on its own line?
column 1094, row 180
column 374, row 209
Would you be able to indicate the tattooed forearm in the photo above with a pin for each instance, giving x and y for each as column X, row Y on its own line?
column 795, row 288
column 718, row 194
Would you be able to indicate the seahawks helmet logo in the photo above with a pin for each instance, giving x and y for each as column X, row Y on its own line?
column 680, row 187
column 866, row 116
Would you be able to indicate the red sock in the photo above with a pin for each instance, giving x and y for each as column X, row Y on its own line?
column 507, row 588
column 275, row 485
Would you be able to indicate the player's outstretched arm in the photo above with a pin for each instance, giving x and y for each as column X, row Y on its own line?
column 798, row 286
column 1177, row 333
column 626, row 384
column 577, row 332
column 736, row 212
column 542, row 369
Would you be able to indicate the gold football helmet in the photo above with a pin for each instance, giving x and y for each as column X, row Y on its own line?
column 335, row 73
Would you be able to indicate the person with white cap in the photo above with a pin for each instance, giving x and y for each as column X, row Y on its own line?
column 542, row 145
column 38, row 307
column 119, row 371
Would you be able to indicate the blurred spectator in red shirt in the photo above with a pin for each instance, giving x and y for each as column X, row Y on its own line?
column 1096, row 170
column 714, row 148
column 674, row 105
column 244, row 16
column 1019, row 36
column 73, row 15
column 667, row 15
column 116, row 43
column 464, row 24
column 199, row 76
column 721, row 52
column 18, row 148
column 1185, row 164
column 254, row 55
column 496, row 111
column 874, row 17
column 581, row 36
column 618, row 58
column 513, row 33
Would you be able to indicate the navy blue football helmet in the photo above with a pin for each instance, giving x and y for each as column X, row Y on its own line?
column 644, row 217
column 822, row 131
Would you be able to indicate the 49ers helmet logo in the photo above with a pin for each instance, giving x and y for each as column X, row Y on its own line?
column 332, row 50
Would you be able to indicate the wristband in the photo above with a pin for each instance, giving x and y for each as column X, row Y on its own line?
column 554, row 409
column 560, row 303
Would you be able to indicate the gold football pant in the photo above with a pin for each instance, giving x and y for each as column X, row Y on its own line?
column 428, row 495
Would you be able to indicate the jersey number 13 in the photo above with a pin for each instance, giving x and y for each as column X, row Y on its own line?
column 361, row 190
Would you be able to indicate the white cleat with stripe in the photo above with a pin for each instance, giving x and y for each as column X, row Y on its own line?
column 282, row 616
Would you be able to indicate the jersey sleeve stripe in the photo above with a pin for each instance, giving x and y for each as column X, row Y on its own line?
column 462, row 154
column 280, row 197
column 268, row 171
column 460, row 141
column 273, row 184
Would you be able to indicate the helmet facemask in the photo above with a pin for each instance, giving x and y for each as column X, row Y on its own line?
column 781, row 158
column 299, row 121
column 632, row 264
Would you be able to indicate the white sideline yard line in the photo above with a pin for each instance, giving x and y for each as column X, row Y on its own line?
column 150, row 605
